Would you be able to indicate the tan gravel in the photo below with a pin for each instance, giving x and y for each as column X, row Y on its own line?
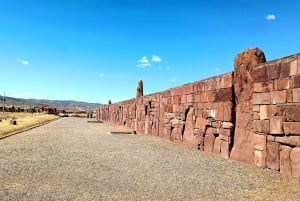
column 71, row 159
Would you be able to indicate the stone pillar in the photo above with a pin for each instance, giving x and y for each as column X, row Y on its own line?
column 243, row 144
column 139, row 89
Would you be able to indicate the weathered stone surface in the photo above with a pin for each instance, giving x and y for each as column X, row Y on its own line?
column 273, row 72
column 261, row 126
column 217, row 146
column 296, row 81
column 272, row 155
column 209, row 140
column 259, row 158
column 225, row 149
column 139, row 89
column 260, row 142
column 296, row 95
column 278, row 97
column 295, row 162
column 285, row 162
column 245, row 63
column 276, row 125
column 262, row 86
column 227, row 125
column 294, row 67
column 188, row 134
column 223, row 95
column 200, row 123
column 293, row 113
column 282, row 84
column 262, row 98
column 291, row 128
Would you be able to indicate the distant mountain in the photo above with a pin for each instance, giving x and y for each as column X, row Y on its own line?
column 68, row 105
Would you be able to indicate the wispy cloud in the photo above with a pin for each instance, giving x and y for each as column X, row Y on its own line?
column 156, row 58
column 217, row 69
column 144, row 62
column 173, row 80
column 271, row 17
column 22, row 61
column 101, row 75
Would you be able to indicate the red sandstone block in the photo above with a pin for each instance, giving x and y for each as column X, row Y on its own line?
column 209, row 140
column 296, row 95
column 272, row 155
column 225, row 147
column 260, row 142
column 285, row 70
column 183, row 99
column 259, row 158
column 261, row 126
column 295, row 81
column 255, row 108
column 200, row 86
column 273, row 72
column 226, row 81
column 190, row 98
column 289, row 95
column 207, row 97
column 282, row 84
column 276, row 125
column 223, row 95
column 177, row 99
column 259, row 74
column 295, row 162
column 294, row 68
column 294, row 128
column 262, row 98
column 228, row 109
column 256, row 116
column 225, row 132
column 262, row 86
column 278, row 97
column 219, row 111
column 200, row 124
column 197, row 98
column 293, row 113
column 217, row 146
column 285, row 162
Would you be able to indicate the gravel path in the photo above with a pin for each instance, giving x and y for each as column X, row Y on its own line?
column 71, row 159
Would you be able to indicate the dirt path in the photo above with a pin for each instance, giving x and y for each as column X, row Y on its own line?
column 71, row 159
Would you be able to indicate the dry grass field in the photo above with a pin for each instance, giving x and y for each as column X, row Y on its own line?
column 23, row 121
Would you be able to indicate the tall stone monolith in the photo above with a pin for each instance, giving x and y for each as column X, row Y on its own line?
column 139, row 89
column 243, row 141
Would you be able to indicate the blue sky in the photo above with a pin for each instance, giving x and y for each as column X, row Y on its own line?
column 98, row 50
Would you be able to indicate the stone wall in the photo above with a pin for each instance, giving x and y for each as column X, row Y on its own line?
column 250, row 115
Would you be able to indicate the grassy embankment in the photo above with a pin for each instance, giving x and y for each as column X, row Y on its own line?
column 24, row 121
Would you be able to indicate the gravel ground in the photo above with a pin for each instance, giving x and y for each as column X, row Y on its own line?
column 71, row 159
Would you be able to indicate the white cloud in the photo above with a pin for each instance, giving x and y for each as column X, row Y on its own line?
column 22, row 61
column 101, row 75
column 144, row 62
column 271, row 17
column 173, row 80
column 156, row 58
column 217, row 69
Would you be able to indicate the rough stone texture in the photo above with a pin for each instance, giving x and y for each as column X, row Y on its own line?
column 272, row 155
column 244, row 64
column 295, row 162
column 139, row 89
column 285, row 162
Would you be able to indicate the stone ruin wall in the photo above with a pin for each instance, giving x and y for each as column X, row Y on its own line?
column 250, row 115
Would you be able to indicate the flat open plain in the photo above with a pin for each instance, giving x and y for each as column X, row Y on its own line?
column 70, row 159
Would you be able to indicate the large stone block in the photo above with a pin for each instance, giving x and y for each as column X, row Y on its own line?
column 276, row 124
column 223, row 95
column 296, row 95
column 225, row 149
column 293, row 113
column 278, row 97
column 285, row 162
column 272, row 155
column 200, row 124
column 219, row 108
column 259, row 158
column 294, row 68
column 228, row 110
column 262, row 86
column 296, row 81
column 260, row 142
column 259, row 74
column 295, row 162
column 209, row 140
column 261, row 126
column 262, row 98
column 226, row 81
column 273, row 72
column 217, row 146
column 285, row 70
column 282, row 84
